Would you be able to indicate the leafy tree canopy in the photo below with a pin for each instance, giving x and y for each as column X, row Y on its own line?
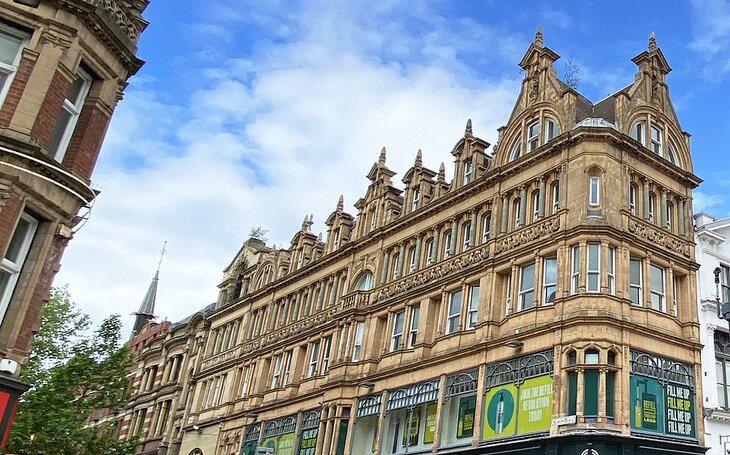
column 76, row 376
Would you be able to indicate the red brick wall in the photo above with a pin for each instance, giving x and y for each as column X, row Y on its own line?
column 32, row 316
column 86, row 140
column 25, row 67
column 51, row 107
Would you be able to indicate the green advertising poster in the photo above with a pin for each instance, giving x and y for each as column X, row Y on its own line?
column 270, row 443
column 680, row 411
column 286, row 444
column 535, row 405
column 308, row 443
column 500, row 416
column 430, row 429
column 467, row 408
column 647, row 404
column 248, row 448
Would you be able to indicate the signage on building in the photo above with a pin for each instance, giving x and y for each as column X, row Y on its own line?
column 512, row 410
column 567, row 420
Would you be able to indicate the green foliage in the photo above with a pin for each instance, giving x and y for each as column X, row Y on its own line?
column 258, row 233
column 74, row 373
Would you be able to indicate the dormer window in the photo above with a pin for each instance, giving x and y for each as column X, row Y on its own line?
column 533, row 136
column 551, row 129
column 467, row 171
column 656, row 140
column 416, row 199
column 637, row 132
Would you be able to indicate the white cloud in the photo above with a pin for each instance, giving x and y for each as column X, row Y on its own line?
column 267, row 139
column 711, row 36
column 707, row 202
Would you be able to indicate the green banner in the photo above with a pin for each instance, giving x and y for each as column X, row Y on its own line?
column 647, row 404
column 467, row 409
column 286, row 444
column 248, row 448
column 535, row 405
column 500, row 416
column 680, row 411
column 308, row 442
column 430, row 429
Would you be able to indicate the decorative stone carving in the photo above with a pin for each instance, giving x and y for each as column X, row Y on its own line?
column 121, row 18
column 56, row 39
column 654, row 235
column 528, row 234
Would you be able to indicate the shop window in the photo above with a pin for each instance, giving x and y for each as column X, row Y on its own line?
column 459, row 408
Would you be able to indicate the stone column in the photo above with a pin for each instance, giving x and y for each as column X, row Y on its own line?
column 419, row 240
column 473, row 229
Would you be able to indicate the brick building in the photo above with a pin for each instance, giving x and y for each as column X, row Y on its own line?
column 63, row 67
column 542, row 300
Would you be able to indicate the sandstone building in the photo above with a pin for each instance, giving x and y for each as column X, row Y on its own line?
column 63, row 67
column 542, row 300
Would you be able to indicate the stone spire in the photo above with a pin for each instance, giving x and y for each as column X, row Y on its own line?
column 307, row 223
column 340, row 204
column 468, row 131
column 652, row 42
column 538, row 37
column 381, row 159
column 442, row 173
column 147, row 307
column 419, row 159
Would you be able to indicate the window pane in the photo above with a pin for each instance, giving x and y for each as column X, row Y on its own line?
column 590, row 392
column 572, row 392
column 635, row 272
column 455, row 303
column 9, row 47
column 657, row 278
column 19, row 238
column 527, row 279
column 63, row 120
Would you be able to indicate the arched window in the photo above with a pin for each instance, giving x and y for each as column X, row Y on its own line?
column 633, row 189
column 516, row 149
column 466, row 236
column 533, row 136
column 535, row 205
column 517, row 207
column 656, row 141
column 638, row 131
column 670, row 215
column 652, row 206
column 594, row 191
column 486, row 226
column 672, row 154
column 551, row 129
column 555, row 192
column 365, row 281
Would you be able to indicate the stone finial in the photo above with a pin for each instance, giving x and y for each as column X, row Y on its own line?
column 340, row 204
column 652, row 42
column 442, row 173
column 419, row 159
column 538, row 37
column 319, row 238
column 381, row 160
column 468, row 131
column 305, row 223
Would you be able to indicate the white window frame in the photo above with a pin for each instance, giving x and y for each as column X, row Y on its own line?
column 287, row 368
column 549, row 286
column 73, row 108
column 508, row 295
column 517, row 206
column 357, row 341
column 551, row 129
column 396, row 263
column 611, row 270
column 672, row 153
column 652, row 203
column 575, row 269
column 486, row 226
column 632, row 198
column 555, row 189
column 412, row 260
column 533, row 136
column 453, row 311
column 669, row 207
column 245, row 380
column 472, row 308
column 535, row 206
column 638, row 132
column 13, row 266
column 396, row 335
column 515, row 152
column 416, row 199
column 413, row 326
column 634, row 286
column 594, row 191
column 429, row 252
column 10, row 69
column 326, row 348
column 658, row 296
column 313, row 359
column 656, row 140
column 593, row 249
column 466, row 233
column 276, row 372
column 468, row 171
column 724, row 283
column 447, row 244
column 526, row 271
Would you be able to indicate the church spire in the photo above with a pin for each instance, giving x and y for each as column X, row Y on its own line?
column 147, row 307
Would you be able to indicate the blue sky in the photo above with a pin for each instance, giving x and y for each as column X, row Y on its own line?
column 253, row 113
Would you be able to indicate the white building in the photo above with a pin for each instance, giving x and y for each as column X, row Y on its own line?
column 713, row 255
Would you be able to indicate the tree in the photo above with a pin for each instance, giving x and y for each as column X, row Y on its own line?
column 571, row 73
column 74, row 375
column 258, row 233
